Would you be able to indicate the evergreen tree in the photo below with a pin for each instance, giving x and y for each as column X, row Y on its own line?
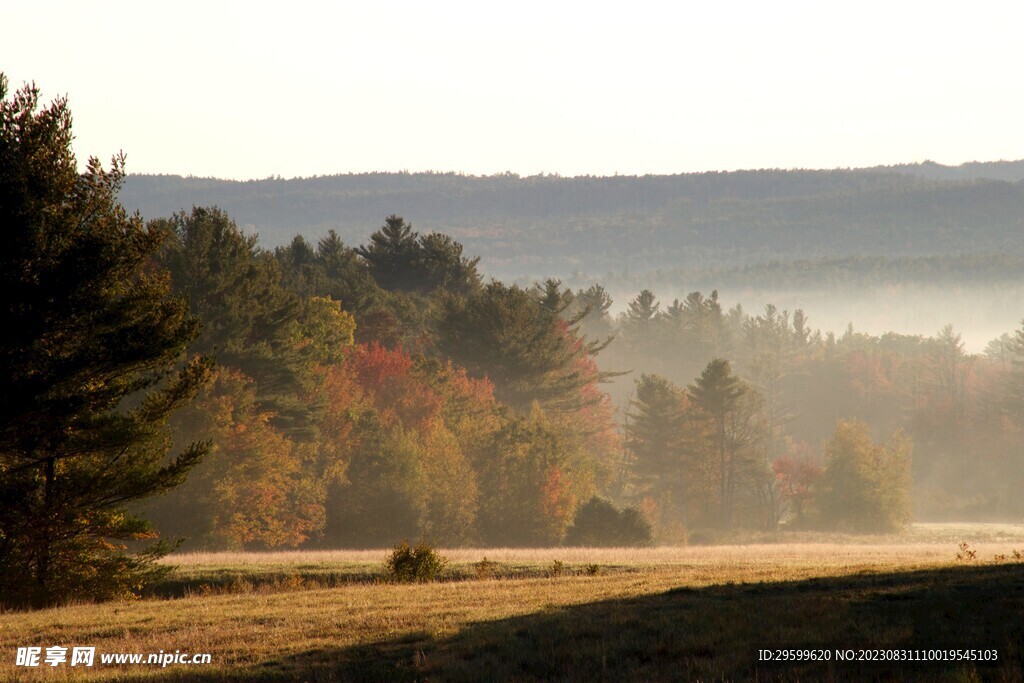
column 444, row 267
column 598, row 523
column 393, row 255
column 942, row 417
column 529, row 353
column 553, row 298
column 718, row 393
column 345, row 277
column 654, row 436
column 405, row 261
column 1014, row 348
column 301, row 268
column 90, row 367
column 704, row 323
column 640, row 320
column 250, row 320
column 338, row 272
column 597, row 323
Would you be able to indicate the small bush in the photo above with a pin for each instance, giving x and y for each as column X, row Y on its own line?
column 557, row 568
column 421, row 563
column 598, row 523
column 593, row 569
column 966, row 554
column 485, row 568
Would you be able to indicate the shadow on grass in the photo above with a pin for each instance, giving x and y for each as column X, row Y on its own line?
column 711, row 633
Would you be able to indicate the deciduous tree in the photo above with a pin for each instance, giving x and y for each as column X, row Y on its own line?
column 865, row 488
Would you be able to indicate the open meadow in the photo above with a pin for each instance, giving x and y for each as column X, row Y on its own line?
column 687, row 613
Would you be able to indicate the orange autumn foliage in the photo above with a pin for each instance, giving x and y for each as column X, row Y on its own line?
column 252, row 489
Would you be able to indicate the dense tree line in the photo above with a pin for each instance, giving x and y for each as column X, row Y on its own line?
column 961, row 411
column 439, row 406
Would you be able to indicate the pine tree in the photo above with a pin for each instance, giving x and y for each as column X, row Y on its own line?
column 594, row 302
column 718, row 393
column 523, row 346
column 402, row 260
column 444, row 266
column 393, row 254
column 657, row 440
column 655, row 437
column 90, row 367
column 640, row 320
column 250, row 320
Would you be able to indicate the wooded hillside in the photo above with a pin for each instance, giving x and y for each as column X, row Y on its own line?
column 730, row 222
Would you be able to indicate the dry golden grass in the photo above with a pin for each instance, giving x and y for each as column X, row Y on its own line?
column 442, row 630
column 921, row 543
column 243, row 630
column 823, row 554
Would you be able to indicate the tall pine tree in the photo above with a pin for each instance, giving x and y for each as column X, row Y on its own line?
column 90, row 366
column 718, row 393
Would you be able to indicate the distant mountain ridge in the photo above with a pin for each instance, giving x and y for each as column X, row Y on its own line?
column 553, row 225
column 1010, row 171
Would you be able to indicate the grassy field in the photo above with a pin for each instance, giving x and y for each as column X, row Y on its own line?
column 693, row 613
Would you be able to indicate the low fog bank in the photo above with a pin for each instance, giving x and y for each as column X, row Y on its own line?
column 979, row 313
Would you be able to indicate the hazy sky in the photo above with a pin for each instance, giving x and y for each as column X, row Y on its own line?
column 249, row 89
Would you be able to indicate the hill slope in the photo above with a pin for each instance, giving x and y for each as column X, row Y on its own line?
column 549, row 225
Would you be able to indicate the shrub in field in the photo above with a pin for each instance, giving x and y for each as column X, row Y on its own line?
column 599, row 523
column 966, row 554
column 408, row 564
column 485, row 568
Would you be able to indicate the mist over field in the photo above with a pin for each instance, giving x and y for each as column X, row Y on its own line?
column 979, row 313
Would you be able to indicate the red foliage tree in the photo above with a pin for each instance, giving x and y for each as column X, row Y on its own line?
column 796, row 476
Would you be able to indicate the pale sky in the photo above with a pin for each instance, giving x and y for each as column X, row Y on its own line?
column 251, row 89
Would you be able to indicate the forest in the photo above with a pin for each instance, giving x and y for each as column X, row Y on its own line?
column 526, row 403
column 176, row 382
